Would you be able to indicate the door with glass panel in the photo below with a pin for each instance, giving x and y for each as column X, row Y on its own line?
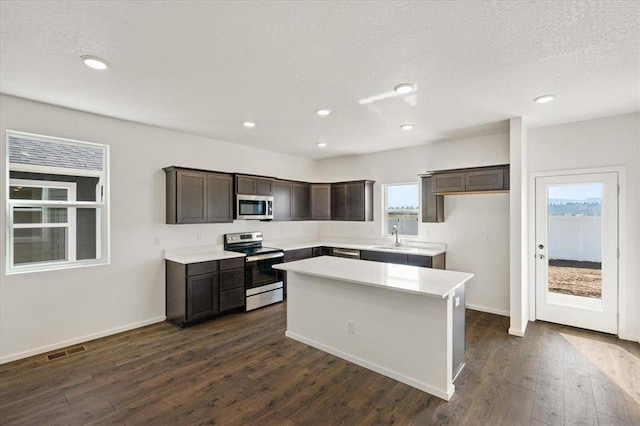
column 576, row 250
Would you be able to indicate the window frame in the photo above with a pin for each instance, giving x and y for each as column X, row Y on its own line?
column 385, row 218
column 101, row 206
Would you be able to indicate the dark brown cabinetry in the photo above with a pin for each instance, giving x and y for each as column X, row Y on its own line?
column 479, row 179
column 195, row 196
column 301, row 201
column 432, row 204
column 282, row 200
column 321, row 201
column 352, row 201
column 250, row 185
column 435, row 262
column 198, row 291
column 298, row 254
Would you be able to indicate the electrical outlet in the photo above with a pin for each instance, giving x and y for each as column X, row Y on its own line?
column 457, row 302
column 427, row 233
column 198, row 237
column 156, row 240
column 488, row 238
column 351, row 326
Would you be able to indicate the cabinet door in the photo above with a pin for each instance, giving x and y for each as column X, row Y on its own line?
column 191, row 197
column 232, row 299
column 298, row 254
column 320, row 201
column 282, row 197
column 202, row 296
column 355, row 201
column 245, row 185
column 378, row 256
column 449, row 182
column 339, row 201
column 301, row 201
column 416, row 260
column 219, row 198
column 485, row 180
column 264, row 186
column 432, row 204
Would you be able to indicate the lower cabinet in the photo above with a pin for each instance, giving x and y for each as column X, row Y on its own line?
column 198, row 291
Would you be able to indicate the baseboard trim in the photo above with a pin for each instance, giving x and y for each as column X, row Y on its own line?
column 516, row 332
column 488, row 310
column 440, row 393
column 70, row 342
column 629, row 337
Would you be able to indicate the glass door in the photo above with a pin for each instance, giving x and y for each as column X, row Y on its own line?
column 576, row 250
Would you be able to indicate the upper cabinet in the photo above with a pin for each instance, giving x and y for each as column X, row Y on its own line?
column 250, row 185
column 352, row 201
column 432, row 204
column 282, row 197
column 436, row 184
column 195, row 196
column 301, row 204
column 321, row 201
column 478, row 179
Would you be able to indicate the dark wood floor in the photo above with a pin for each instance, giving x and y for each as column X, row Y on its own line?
column 242, row 370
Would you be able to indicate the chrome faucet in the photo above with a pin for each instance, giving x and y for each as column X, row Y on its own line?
column 395, row 231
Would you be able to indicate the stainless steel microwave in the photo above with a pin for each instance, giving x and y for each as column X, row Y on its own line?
column 254, row 207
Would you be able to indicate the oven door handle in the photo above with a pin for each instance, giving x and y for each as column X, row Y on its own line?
column 264, row 257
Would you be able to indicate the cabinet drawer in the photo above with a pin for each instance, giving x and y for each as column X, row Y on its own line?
column 231, row 279
column 234, row 263
column 377, row 256
column 232, row 299
column 298, row 254
column 415, row 260
column 317, row 251
column 202, row 268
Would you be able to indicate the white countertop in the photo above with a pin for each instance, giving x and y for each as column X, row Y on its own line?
column 409, row 279
column 358, row 246
column 204, row 256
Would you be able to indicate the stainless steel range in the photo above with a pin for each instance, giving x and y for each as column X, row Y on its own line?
column 264, row 284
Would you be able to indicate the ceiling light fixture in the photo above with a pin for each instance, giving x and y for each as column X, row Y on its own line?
column 544, row 99
column 404, row 88
column 249, row 124
column 94, row 62
column 407, row 127
column 322, row 144
column 323, row 112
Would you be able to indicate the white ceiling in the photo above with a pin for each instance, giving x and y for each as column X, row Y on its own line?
column 204, row 67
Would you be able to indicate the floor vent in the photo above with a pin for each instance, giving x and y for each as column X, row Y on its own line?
column 62, row 354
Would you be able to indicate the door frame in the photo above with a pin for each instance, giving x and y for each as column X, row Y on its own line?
column 622, row 242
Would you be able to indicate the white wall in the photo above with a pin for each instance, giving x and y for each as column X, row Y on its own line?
column 476, row 227
column 42, row 311
column 604, row 142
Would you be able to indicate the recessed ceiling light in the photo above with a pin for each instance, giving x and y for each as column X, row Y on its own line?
column 407, row 127
column 322, row 144
column 249, row 124
column 323, row 112
column 94, row 62
column 404, row 88
column 544, row 99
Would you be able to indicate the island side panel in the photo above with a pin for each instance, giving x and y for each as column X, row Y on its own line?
column 401, row 335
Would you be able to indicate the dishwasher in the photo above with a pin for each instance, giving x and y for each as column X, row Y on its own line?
column 350, row 253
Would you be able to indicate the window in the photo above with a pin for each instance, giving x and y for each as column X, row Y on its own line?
column 401, row 208
column 57, row 210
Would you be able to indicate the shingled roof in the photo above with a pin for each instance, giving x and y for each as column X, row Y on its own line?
column 40, row 152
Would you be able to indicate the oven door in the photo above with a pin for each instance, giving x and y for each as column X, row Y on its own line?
column 254, row 207
column 260, row 272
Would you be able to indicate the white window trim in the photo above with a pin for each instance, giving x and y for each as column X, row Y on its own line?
column 103, row 240
column 386, row 233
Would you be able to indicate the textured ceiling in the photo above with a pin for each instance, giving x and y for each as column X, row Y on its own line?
column 204, row 67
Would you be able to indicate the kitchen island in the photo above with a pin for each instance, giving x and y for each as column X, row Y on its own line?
column 405, row 322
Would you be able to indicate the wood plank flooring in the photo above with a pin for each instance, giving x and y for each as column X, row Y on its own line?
column 242, row 370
